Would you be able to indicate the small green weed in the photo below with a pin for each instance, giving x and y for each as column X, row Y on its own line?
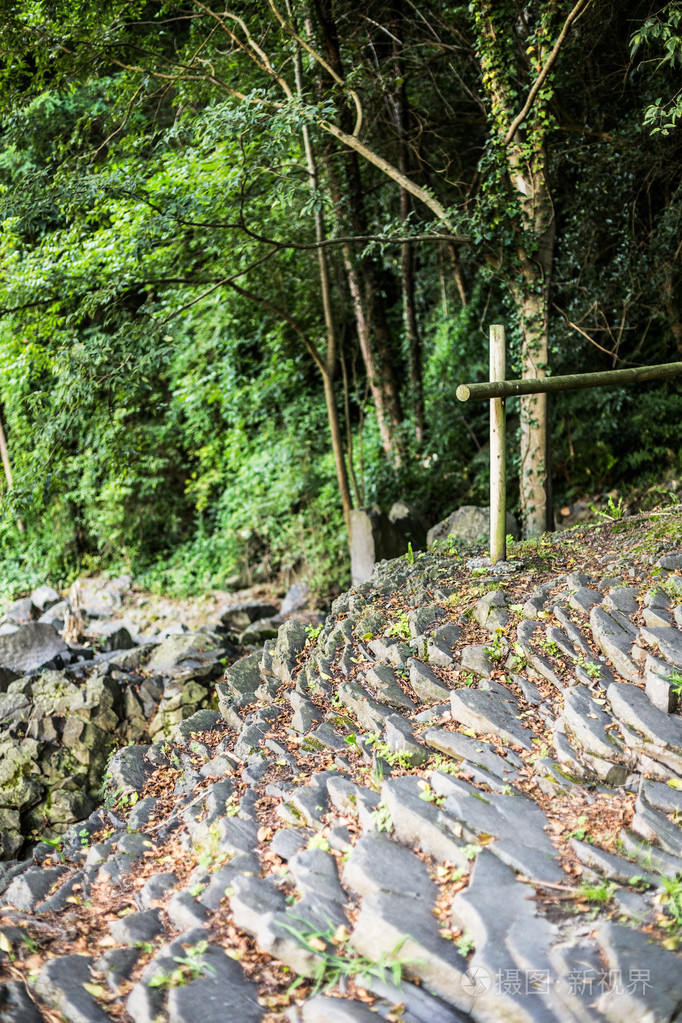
column 190, row 966
column 399, row 629
column 600, row 893
column 334, row 963
column 382, row 818
column 465, row 945
column 312, row 634
column 592, row 669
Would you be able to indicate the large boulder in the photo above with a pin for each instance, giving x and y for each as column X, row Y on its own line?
column 469, row 525
column 31, row 648
column 373, row 537
column 240, row 616
column 410, row 522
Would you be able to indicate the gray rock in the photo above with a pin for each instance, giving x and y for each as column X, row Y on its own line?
column 493, row 906
column 631, row 705
column 16, row 1004
column 427, row 687
column 401, row 929
column 662, row 797
column 588, row 723
column 240, row 616
column 31, row 648
column 401, row 741
column 373, row 538
column 383, row 683
column 516, row 821
column 655, row 827
column 420, row 823
column 31, row 887
column 184, row 912
column 222, row 992
column 468, row 524
column 314, row 872
column 370, row 714
column 321, row 1009
column 584, row 598
column 136, row 927
column 191, row 649
column 489, row 712
column 476, row 751
column 129, row 770
column 376, row 864
column 155, row 889
column 117, row 965
column 261, row 630
column 615, row 641
column 296, row 599
column 671, row 562
column 43, row 597
column 243, row 677
column 661, row 693
column 60, row 986
column 667, row 642
column 291, row 640
column 490, row 611
column 421, row 618
column 644, row 978
column 613, row 867
column 476, row 659
column 440, row 645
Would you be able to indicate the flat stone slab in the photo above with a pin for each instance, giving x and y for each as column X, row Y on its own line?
column 475, row 751
column 426, row 685
column 587, row 722
column 510, row 940
column 222, row 992
column 615, row 641
column 515, row 820
column 666, row 641
column 60, row 985
column 632, row 706
column 377, row 864
column 420, row 823
column 490, row 712
column 645, row 979
column 322, row 1009
column 396, row 928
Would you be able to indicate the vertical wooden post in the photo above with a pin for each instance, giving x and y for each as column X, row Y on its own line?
column 498, row 464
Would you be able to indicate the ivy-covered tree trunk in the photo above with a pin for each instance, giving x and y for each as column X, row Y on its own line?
column 507, row 55
column 531, row 294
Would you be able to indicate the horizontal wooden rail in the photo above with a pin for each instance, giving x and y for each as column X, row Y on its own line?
column 574, row 382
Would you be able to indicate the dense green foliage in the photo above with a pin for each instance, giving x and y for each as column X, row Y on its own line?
column 162, row 315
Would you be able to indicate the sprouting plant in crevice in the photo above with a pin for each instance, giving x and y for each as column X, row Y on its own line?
column 333, row 962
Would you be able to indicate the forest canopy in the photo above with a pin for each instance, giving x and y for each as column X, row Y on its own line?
column 248, row 254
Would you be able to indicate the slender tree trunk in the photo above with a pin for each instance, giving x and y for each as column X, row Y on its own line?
column 375, row 378
column 366, row 287
column 401, row 116
column 531, row 293
column 330, row 362
column 4, row 454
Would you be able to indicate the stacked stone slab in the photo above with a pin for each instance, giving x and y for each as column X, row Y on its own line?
column 429, row 737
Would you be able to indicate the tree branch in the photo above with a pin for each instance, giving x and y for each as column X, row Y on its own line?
column 284, row 315
column 527, row 106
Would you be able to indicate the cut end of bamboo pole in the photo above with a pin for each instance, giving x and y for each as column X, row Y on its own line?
column 463, row 392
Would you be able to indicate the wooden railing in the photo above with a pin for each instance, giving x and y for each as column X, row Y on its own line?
column 498, row 389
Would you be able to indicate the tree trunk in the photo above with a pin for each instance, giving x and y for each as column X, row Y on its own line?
column 364, row 279
column 531, row 294
column 328, row 368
